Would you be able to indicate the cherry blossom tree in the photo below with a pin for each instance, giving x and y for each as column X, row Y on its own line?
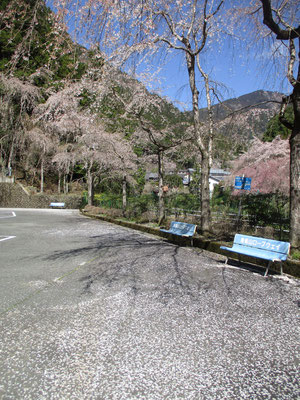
column 83, row 137
column 125, row 164
column 267, row 163
column 160, row 142
column 95, row 156
column 64, row 161
column 58, row 117
column 190, row 34
column 156, row 131
column 124, row 29
column 43, row 145
column 104, row 153
column 18, row 100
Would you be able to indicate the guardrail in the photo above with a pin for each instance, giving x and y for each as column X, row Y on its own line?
column 279, row 226
column 229, row 218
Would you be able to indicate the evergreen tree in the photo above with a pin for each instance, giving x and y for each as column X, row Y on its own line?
column 31, row 38
column 276, row 128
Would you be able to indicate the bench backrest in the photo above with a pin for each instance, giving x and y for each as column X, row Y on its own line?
column 57, row 204
column 273, row 246
column 182, row 228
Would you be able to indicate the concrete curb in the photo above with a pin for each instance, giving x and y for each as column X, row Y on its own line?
column 290, row 267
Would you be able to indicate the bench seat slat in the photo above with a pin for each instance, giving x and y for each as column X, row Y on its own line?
column 264, row 254
column 178, row 232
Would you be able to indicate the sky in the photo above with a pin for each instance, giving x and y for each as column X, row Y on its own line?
column 238, row 72
column 239, row 75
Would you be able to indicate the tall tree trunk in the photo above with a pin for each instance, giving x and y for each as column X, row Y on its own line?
column 10, row 157
column 90, row 182
column 66, row 185
column 66, row 181
column 42, row 175
column 204, row 192
column 161, row 200
column 295, row 171
column 124, row 194
column 59, row 182
column 210, row 113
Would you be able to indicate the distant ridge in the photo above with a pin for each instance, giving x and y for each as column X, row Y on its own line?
column 238, row 120
column 253, row 99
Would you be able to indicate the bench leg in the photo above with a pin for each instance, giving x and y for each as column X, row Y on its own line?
column 226, row 261
column 267, row 269
column 281, row 269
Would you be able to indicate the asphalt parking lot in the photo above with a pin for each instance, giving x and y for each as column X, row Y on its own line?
column 90, row 310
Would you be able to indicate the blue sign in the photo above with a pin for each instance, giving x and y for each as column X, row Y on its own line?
column 238, row 183
column 247, row 183
column 242, row 183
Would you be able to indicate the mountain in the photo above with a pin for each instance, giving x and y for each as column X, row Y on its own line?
column 247, row 116
column 259, row 100
column 239, row 120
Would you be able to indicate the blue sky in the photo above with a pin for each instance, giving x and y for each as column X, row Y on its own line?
column 239, row 71
column 240, row 75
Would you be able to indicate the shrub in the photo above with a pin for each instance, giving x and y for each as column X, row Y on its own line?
column 185, row 201
column 173, row 181
column 266, row 209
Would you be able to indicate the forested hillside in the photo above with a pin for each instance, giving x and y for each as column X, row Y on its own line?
column 62, row 110
column 34, row 44
column 238, row 121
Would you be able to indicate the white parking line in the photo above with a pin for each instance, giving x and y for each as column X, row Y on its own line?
column 10, row 216
column 7, row 238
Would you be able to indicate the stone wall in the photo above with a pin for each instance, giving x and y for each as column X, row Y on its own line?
column 15, row 196
column 7, row 179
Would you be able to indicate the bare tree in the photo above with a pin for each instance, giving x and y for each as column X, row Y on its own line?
column 126, row 28
column 190, row 35
column 281, row 19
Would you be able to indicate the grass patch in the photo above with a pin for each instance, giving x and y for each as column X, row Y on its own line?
column 295, row 255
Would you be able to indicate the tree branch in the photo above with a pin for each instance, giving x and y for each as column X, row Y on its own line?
column 173, row 46
column 292, row 60
column 170, row 24
column 282, row 34
column 193, row 19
